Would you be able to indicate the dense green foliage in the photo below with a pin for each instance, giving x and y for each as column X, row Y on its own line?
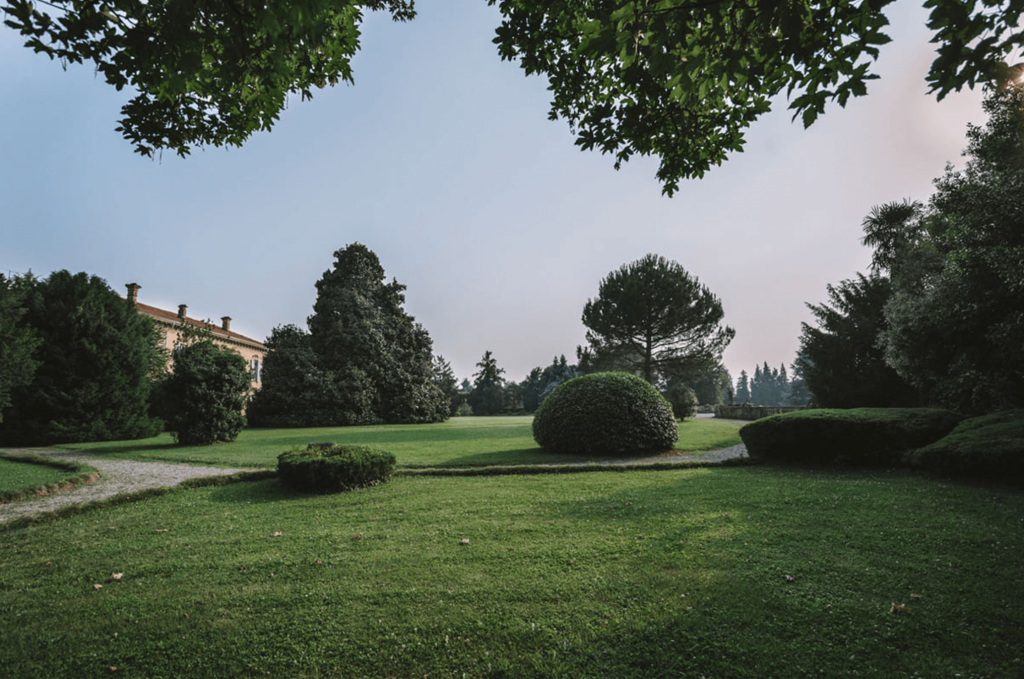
column 677, row 79
column 753, row 573
column 363, row 361
column 94, row 357
column 955, row 322
column 205, row 72
column 682, row 80
column 990, row 445
column 682, row 399
column 444, row 379
column 840, row 358
column 206, row 391
column 487, row 397
column 329, row 467
column 17, row 340
column 605, row 414
column 652, row 318
column 857, row 436
column 542, row 381
column 296, row 391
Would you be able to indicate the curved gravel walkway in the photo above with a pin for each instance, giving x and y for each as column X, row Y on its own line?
column 117, row 477
column 120, row 477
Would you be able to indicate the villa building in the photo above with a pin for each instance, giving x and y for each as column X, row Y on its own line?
column 171, row 324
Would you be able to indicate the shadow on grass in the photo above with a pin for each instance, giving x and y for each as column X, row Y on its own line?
column 519, row 456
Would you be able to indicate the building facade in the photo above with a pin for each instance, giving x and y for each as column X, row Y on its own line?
column 171, row 325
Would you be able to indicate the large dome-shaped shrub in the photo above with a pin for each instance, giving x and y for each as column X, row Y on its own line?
column 605, row 414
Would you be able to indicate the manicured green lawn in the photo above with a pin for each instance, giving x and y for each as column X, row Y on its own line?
column 17, row 475
column 755, row 572
column 461, row 441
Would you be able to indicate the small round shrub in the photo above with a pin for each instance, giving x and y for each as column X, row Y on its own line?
column 682, row 399
column 328, row 467
column 855, row 436
column 605, row 414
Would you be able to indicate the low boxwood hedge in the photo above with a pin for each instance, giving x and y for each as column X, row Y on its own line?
column 605, row 414
column 856, row 436
column 992, row 445
column 329, row 467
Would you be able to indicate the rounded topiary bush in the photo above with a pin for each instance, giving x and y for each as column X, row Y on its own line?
column 682, row 399
column 605, row 414
column 855, row 436
column 329, row 467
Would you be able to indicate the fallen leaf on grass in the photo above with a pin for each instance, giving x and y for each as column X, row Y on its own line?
column 789, row 578
column 899, row 608
column 161, row 530
column 916, row 596
column 357, row 536
column 465, row 541
column 116, row 576
column 319, row 562
column 97, row 586
column 277, row 534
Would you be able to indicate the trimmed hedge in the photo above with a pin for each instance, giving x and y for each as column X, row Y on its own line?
column 984, row 446
column 329, row 467
column 856, row 436
column 605, row 414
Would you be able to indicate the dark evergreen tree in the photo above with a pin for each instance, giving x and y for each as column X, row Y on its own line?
column 95, row 357
column 532, row 388
column 799, row 394
column 17, row 340
column 487, row 397
column 296, row 390
column 840, row 358
column 364, row 361
column 207, row 390
column 742, row 388
column 758, row 388
column 445, row 380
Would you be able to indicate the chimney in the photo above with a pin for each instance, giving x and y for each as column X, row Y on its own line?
column 225, row 322
column 133, row 293
column 182, row 311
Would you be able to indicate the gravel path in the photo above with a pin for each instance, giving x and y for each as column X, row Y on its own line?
column 117, row 477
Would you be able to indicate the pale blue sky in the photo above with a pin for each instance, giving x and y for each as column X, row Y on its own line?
column 441, row 159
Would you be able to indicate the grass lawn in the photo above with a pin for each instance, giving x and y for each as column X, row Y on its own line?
column 15, row 476
column 21, row 477
column 744, row 572
column 461, row 441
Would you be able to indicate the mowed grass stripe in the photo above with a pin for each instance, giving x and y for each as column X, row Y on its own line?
column 461, row 441
column 752, row 572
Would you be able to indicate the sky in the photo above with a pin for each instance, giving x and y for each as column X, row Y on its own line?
column 441, row 159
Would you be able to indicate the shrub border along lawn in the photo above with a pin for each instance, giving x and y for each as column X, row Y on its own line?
column 83, row 474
